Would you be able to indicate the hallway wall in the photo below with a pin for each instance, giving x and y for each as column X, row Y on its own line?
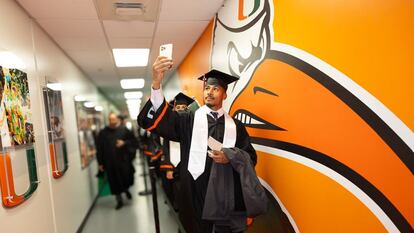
column 326, row 94
column 58, row 205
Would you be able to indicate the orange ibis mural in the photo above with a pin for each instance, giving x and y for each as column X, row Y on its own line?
column 326, row 94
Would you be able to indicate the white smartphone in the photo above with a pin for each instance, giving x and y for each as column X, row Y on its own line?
column 166, row 50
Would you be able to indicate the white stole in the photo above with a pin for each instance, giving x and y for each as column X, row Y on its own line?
column 199, row 138
column 175, row 153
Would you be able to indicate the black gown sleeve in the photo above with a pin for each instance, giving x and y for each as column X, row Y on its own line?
column 243, row 141
column 166, row 164
column 164, row 122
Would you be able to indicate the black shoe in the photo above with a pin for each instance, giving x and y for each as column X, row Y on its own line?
column 119, row 205
column 128, row 195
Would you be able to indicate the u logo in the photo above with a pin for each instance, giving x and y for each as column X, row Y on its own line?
column 242, row 15
column 9, row 196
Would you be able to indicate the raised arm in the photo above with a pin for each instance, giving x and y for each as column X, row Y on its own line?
column 156, row 116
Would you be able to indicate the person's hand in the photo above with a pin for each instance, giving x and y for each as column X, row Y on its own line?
column 120, row 143
column 101, row 168
column 170, row 175
column 218, row 156
column 160, row 66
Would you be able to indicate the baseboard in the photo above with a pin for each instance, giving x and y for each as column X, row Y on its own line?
column 85, row 219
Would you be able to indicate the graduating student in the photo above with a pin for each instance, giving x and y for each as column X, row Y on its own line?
column 171, row 154
column 219, row 188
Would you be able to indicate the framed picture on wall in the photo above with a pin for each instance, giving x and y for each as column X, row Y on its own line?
column 89, row 123
column 55, row 125
column 16, row 136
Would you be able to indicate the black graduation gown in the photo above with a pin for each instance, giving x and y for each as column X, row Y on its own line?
column 116, row 161
column 179, row 127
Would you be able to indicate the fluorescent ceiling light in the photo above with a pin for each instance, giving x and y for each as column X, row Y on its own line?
column 98, row 108
column 133, row 95
column 133, row 103
column 132, row 83
column 130, row 57
column 54, row 86
column 79, row 98
column 89, row 104
column 10, row 60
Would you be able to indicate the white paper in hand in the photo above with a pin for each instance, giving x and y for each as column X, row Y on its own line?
column 166, row 50
column 214, row 144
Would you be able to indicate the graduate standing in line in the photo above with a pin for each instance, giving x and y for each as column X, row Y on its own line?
column 171, row 154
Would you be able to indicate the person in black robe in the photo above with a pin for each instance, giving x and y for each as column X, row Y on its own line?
column 157, row 117
column 114, row 157
column 130, row 148
column 170, row 163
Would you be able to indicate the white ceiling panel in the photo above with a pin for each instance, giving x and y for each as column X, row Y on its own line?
column 82, row 43
column 129, row 42
column 94, row 63
column 186, row 33
column 60, row 9
column 134, row 72
column 72, row 28
column 128, row 28
column 189, row 9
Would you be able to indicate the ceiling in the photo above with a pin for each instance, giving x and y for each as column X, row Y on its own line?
column 88, row 30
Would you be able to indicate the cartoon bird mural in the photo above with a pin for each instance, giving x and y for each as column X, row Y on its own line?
column 333, row 155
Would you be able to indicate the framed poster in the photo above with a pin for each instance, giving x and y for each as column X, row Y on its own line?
column 56, row 133
column 16, row 134
column 89, row 123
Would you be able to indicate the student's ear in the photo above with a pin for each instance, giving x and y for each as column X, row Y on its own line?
column 225, row 95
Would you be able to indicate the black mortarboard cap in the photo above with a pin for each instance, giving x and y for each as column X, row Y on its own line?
column 215, row 77
column 180, row 98
column 171, row 103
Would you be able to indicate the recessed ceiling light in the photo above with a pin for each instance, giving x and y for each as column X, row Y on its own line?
column 98, row 108
column 133, row 95
column 130, row 57
column 79, row 98
column 132, row 83
column 89, row 104
column 55, row 86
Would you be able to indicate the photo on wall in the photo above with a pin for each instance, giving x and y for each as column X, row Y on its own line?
column 55, row 125
column 89, row 123
column 16, row 127
column 55, row 113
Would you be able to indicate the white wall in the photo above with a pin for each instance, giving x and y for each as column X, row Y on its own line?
column 57, row 205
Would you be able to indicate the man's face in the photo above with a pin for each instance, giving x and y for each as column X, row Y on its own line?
column 113, row 120
column 214, row 96
column 180, row 107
